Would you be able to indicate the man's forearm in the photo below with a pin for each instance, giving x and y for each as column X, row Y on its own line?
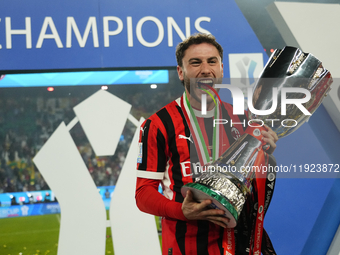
column 149, row 200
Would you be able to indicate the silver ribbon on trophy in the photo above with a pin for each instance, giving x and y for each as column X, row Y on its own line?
column 229, row 181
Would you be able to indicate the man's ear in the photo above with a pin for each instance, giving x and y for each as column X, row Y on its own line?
column 180, row 73
column 222, row 70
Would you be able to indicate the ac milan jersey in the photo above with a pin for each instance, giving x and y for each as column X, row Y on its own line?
column 166, row 154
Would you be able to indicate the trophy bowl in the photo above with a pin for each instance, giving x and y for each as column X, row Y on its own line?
column 290, row 68
column 227, row 181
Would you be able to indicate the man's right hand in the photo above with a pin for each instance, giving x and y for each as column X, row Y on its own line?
column 200, row 211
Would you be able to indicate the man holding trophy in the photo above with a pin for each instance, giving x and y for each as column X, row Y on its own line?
column 207, row 211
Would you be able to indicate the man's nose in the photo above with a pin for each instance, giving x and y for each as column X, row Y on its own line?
column 205, row 68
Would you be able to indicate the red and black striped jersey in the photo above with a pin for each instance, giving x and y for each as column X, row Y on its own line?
column 167, row 154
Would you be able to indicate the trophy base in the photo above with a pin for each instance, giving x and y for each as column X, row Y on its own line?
column 202, row 193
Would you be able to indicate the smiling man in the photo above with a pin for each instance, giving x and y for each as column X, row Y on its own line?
column 202, row 63
column 169, row 155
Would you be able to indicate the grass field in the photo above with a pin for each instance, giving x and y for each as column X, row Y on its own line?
column 37, row 235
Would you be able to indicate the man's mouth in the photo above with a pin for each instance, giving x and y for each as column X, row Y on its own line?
column 204, row 83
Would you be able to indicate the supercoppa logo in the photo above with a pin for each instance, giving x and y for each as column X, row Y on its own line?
column 246, row 67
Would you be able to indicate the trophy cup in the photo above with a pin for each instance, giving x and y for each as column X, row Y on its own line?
column 228, row 181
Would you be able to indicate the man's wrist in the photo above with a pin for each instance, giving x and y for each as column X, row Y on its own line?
column 174, row 210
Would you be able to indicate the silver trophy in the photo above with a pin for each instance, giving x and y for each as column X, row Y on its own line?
column 228, row 180
column 290, row 68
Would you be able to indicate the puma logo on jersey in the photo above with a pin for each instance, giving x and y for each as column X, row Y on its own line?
column 184, row 137
column 142, row 129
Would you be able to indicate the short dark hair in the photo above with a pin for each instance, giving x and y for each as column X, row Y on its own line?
column 196, row 39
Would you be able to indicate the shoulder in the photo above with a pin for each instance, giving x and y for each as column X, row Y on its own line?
column 165, row 114
column 163, row 118
column 160, row 113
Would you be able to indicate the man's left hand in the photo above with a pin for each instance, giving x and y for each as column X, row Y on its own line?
column 270, row 138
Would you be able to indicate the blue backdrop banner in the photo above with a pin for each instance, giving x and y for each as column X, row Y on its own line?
column 114, row 34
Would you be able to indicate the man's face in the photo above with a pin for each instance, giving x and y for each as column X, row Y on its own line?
column 202, row 62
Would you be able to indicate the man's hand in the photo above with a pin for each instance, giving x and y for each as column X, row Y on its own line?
column 270, row 137
column 200, row 211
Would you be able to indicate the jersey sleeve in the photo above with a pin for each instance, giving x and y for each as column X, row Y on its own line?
column 151, row 166
column 152, row 159
column 146, row 195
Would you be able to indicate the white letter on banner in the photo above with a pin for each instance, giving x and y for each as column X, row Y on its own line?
column 238, row 97
column 297, row 101
column 48, row 22
column 26, row 31
column 172, row 24
column 107, row 32
column 129, row 31
column 262, row 112
column 160, row 31
column 71, row 24
column 198, row 26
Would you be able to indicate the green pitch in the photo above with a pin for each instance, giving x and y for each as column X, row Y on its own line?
column 35, row 235
column 38, row 235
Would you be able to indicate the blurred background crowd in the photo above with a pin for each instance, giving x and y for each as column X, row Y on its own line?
column 28, row 120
